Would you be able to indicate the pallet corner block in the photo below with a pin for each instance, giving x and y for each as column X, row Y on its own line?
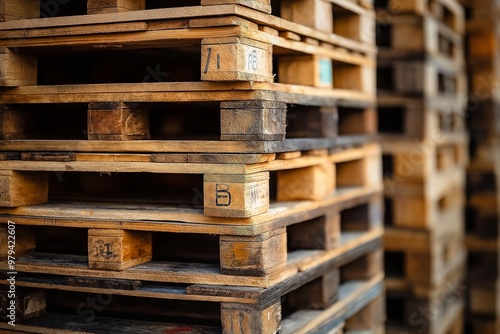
column 237, row 196
column 23, row 188
column 236, row 59
column 19, row 9
column 17, row 69
column 117, row 121
column 118, row 249
column 114, row 6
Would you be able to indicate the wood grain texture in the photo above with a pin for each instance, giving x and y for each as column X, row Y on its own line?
column 259, row 256
column 117, row 121
column 118, row 249
column 23, row 188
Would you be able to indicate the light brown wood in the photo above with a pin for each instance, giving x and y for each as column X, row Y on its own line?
column 17, row 69
column 22, row 237
column 310, row 183
column 239, row 319
column 313, row 71
column 316, row 14
column 372, row 316
column 256, row 256
column 236, row 195
column 23, row 188
column 118, row 249
column 318, row 294
column 114, row 6
column 253, row 120
column 19, row 9
column 235, row 59
column 117, row 121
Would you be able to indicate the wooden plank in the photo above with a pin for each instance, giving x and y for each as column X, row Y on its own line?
column 148, row 218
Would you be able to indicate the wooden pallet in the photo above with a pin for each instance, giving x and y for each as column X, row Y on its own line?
column 428, row 78
column 429, row 38
column 435, row 309
column 189, row 254
column 449, row 12
column 233, row 186
column 347, row 18
column 316, row 299
column 242, row 52
column 422, row 258
column 411, row 118
column 222, row 127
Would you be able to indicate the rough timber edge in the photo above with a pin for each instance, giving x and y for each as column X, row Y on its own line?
column 183, row 147
column 185, row 220
column 192, row 12
column 356, row 294
column 186, row 92
column 364, row 243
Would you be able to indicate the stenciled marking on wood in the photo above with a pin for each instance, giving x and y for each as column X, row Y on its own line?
column 222, row 195
column 103, row 249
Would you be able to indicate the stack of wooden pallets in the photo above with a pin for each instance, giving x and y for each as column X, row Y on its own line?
column 422, row 93
column 145, row 199
column 483, row 175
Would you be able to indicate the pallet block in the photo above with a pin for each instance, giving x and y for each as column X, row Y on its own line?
column 19, row 9
column 23, row 188
column 17, row 69
column 114, row 6
column 117, row 121
column 118, row 249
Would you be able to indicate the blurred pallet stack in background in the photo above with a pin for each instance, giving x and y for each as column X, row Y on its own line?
column 483, row 174
column 173, row 167
column 422, row 92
